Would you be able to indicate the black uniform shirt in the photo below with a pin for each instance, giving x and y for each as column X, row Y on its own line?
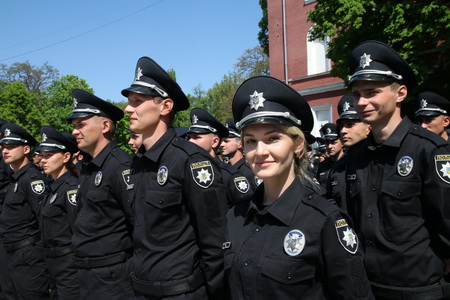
column 398, row 197
column 299, row 247
column 19, row 218
column 58, row 211
column 180, row 206
column 103, row 225
column 322, row 171
column 238, row 186
column 245, row 169
column 335, row 187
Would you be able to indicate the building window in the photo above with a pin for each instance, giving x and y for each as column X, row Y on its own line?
column 322, row 114
column 309, row 1
column 316, row 54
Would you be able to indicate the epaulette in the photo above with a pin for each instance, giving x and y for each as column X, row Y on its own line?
column 186, row 146
column 429, row 135
column 319, row 203
column 121, row 155
column 229, row 168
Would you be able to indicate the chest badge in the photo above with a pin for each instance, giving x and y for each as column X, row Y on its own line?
column 405, row 165
column 98, row 178
column 15, row 187
column 163, row 174
column 346, row 236
column 294, row 242
column 258, row 180
column 53, row 198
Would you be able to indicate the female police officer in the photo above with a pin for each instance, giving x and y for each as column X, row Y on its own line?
column 59, row 210
column 286, row 242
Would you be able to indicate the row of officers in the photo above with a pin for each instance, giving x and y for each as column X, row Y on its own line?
column 175, row 221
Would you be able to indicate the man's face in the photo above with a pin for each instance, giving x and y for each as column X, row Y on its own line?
column 334, row 148
column 14, row 153
column 230, row 145
column 88, row 132
column 353, row 131
column 376, row 102
column 144, row 112
column 436, row 124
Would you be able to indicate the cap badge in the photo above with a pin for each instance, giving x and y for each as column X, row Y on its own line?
column 194, row 119
column 364, row 61
column 226, row 125
column 346, row 106
column 423, row 103
column 163, row 174
column 138, row 74
column 98, row 178
column 294, row 242
column 44, row 137
column 256, row 100
column 75, row 103
column 346, row 236
column 442, row 163
column 53, row 198
column 7, row 132
column 328, row 130
column 405, row 165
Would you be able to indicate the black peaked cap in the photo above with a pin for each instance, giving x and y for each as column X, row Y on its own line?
column 203, row 122
column 430, row 104
column 52, row 140
column 329, row 132
column 86, row 105
column 232, row 129
column 346, row 109
column 151, row 79
column 264, row 99
column 15, row 135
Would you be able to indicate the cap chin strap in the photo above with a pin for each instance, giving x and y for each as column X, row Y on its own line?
column 53, row 146
column 213, row 130
column 161, row 92
column 377, row 72
column 444, row 112
column 15, row 139
column 285, row 115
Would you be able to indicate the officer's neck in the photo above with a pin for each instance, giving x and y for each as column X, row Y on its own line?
column 382, row 131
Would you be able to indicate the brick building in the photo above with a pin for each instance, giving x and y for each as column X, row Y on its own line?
column 300, row 63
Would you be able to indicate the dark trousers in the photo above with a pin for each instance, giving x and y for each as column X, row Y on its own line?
column 29, row 273
column 108, row 283
column 6, row 286
column 64, row 277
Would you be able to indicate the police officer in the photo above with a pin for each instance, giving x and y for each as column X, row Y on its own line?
column 207, row 132
column 102, row 233
column 135, row 141
column 180, row 201
column 287, row 242
column 433, row 113
column 334, row 150
column 19, row 227
column 397, row 183
column 352, row 131
column 232, row 148
column 59, row 210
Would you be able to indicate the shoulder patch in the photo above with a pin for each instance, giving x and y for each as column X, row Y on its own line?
column 126, row 175
column 202, row 173
column 38, row 186
column 241, row 183
column 346, row 236
column 442, row 165
column 72, row 197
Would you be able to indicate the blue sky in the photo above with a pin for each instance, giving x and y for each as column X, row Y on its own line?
column 101, row 40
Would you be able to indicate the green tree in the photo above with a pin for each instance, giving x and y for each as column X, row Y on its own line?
column 253, row 62
column 263, row 34
column 122, row 134
column 18, row 105
column 57, row 101
column 33, row 77
column 419, row 30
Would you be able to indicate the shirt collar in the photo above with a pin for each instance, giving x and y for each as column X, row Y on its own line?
column 395, row 139
column 58, row 182
column 101, row 157
column 158, row 148
column 22, row 170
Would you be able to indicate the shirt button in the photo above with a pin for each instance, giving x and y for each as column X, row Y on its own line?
column 370, row 215
column 289, row 276
column 257, row 229
column 400, row 193
column 374, row 188
column 161, row 202
column 138, row 224
column 248, row 262
column 369, row 243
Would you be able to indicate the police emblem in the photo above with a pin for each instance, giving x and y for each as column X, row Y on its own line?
column 256, row 100
column 294, row 242
column 38, row 187
column 53, row 198
column 75, row 102
column 405, row 165
column 346, row 106
column 346, row 236
column 423, row 103
column 138, row 74
column 194, row 119
column 98, row 178
column 72, row 197
column 162, row 175
column 203, row 173
column 241, row 183
column 126, row 175
column 7, row 132
column 442, row 163
column 365, row 60
column 16, row 186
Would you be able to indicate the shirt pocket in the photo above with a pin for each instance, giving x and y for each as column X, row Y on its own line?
column 281, row 271
column 51, row 211
column 163, row 215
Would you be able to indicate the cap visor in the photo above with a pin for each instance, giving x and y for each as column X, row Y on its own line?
column 140, row 90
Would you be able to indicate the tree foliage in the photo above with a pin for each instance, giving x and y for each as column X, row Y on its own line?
column 33, row 77
column 419, row 30
column 263, row 34
column 253, row 62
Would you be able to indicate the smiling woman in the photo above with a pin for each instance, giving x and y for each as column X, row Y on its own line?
column 287, row 240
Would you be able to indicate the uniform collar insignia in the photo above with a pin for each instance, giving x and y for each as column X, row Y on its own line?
column 364, row 61
column 138, row 74
column 256, row 100
column 423, row 103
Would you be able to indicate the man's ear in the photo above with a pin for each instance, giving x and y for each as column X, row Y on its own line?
column 166, row 106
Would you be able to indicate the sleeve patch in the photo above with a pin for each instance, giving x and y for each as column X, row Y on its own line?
column 202, row 173
column 38, row 187
column 346, row 236
column 72, row 197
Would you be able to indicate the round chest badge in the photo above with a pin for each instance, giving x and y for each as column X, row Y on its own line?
column 98, row 178
column 53, row 198
column 294, row 242
column 162, row 175
column 404, row 166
